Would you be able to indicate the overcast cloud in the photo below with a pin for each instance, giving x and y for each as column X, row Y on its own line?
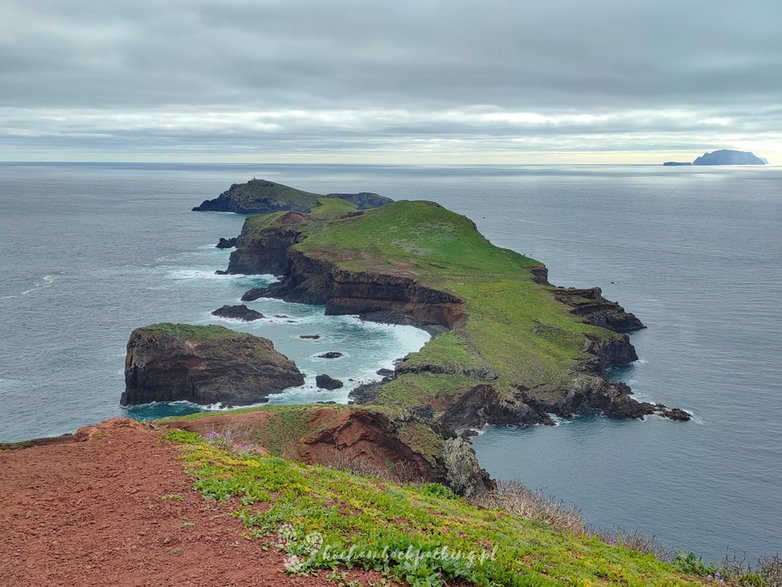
column 425, row 80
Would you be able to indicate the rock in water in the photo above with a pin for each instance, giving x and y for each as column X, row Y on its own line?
column 226, row 243
column 203, row 365
column 327, row 382
column 240, row 312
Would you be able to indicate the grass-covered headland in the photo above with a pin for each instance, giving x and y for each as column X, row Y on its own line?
column 516, row 348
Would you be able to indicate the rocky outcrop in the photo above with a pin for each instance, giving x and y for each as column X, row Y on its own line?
column 598, row 311
column 676, row 164
column 327, row 382
column 267, row 253
column 203, row 365
column 729, row 157
column 240, row 312
column 226, row 243
column 463, row 472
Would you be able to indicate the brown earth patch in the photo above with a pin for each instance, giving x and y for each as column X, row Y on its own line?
column 118, row 509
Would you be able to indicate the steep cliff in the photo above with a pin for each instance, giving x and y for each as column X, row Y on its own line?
column 204, row 365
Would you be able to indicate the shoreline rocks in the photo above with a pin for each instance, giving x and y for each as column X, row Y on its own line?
column 240, row 312
column 327, row 382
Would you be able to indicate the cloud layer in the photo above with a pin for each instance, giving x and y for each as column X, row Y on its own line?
column 255, row 80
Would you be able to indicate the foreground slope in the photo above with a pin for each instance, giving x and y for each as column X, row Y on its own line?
column 112, row 505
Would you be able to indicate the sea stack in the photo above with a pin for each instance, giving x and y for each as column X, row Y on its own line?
column 204, row 365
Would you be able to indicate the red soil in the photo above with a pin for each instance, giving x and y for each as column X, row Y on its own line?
column 93, row 513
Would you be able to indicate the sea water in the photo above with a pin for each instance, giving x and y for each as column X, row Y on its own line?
column 90, row 252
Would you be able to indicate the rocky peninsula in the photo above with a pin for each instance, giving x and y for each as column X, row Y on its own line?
column 508, row 347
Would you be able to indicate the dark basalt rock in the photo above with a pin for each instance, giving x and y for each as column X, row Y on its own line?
column 203, row 365
column 326, row 382
column 240, row 312
column 463, row 472
column 598, row 311
column 365, row 393
column 330, row 355
column 310, row 336
column 226, row 243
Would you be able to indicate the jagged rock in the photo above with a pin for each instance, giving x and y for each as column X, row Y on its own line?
column 330, row 355
column 310, row 336
column 326, row 382
column 227, row 243
column 240, row 312
column 390, row 373
column 365, row 393
column 463, row 472
column 203, row 365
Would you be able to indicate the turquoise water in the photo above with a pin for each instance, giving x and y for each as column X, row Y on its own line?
column 90, row 252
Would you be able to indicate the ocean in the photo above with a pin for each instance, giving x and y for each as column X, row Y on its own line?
column 91, row 251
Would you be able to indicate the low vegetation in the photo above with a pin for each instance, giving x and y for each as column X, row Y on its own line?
column 325, row 518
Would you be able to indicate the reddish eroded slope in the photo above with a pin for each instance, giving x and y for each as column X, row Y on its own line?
column 94, row 513
column 331, row 436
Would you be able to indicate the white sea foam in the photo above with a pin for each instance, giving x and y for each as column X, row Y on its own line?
column 46, row 281
column 209, row 273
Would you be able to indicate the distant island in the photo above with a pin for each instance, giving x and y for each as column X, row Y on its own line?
column 723, row 157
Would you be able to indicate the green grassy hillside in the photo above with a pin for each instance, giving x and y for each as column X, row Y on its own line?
column 516, row 332
column 325, row 518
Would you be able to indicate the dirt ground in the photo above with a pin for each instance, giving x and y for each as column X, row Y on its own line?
column 94, row 513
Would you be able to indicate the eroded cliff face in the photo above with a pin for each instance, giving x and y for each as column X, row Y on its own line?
column 162, row 364
column 266, row 254
column 374, row 295
column 365, row 440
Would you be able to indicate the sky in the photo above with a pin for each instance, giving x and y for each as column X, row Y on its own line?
column 389, row 82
